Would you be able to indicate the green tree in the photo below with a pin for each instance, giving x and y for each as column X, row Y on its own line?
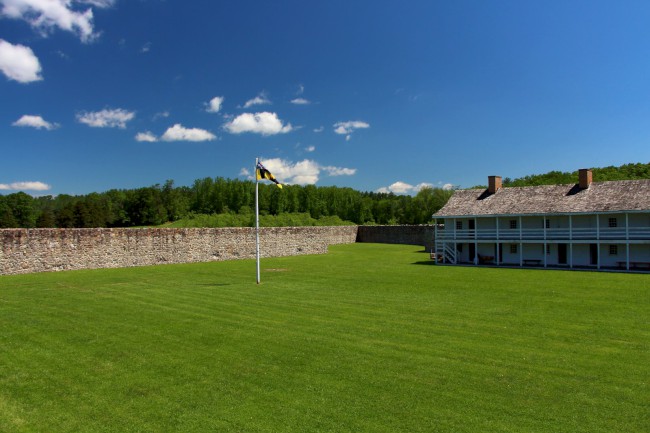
column 22, row 208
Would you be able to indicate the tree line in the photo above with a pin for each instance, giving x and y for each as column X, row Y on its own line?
column 228, row 202
column 234, row 200
column 623, row 172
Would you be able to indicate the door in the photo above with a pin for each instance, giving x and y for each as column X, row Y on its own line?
column 472, row 253
column 561, row 254
column 593, row 254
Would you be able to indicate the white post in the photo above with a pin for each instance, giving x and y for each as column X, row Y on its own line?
column 521, row 243
column 627, row 242
column 257, row 221
column 570, row 241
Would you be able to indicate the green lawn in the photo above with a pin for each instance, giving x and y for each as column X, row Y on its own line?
column 369, row 338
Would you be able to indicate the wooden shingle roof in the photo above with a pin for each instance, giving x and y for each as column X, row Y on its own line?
column 613, row 196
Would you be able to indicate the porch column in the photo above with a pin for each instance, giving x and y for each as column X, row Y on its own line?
column 497, row 255
column 521, row 244
column 475, row 241
column 545, row 245
column 598, row 241
column 570, row 242
column 627, row 241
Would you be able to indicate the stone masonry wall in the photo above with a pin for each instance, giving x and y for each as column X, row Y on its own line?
column 409, row 235
column 40, row 250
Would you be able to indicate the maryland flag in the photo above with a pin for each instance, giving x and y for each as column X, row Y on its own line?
column 263, row 173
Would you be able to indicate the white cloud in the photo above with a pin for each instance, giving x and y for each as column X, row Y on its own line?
column 214, row 106
column 347, row 128
column 310, row 148
column 106, row 118
column 305, row 172
column 319, row 129
column 161, row 115
column 245, row 172
column 448, row 187
column 260, row 99
column 45, row 15
column 19, row 63
column 30, row 186
column 400, row 187
column 264, row 123
column 35, row 122
column 300, row 101
column 340, row 171
column 99, row 3
column 146, row 136
column 146, row 48
column 180, row 133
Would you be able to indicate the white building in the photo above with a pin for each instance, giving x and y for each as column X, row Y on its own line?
column 598, row 225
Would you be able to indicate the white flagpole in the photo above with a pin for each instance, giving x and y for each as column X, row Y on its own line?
column 257, row 221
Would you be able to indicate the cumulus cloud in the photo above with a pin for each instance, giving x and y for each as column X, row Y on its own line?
column 400, row 187
column 161, row 115
column 99, row 3
column 300, row 101
column 35, row 122
column 347, row 128
column 339, row 171
column 264, row 123
column 180, row 133
column 26, row 186
column 46, row 15
column 146, row 137
column 108, row 118
column 214, row 106
column 305, row 172
column 260, row 99
column 19, row 63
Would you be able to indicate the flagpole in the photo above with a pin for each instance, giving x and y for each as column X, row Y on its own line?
column 257, row 221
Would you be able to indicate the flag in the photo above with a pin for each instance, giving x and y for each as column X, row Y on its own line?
column 263, row 173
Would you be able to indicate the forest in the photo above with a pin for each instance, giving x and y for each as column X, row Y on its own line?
column 220, row 202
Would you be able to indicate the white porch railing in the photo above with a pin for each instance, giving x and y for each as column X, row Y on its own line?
column 540, row 234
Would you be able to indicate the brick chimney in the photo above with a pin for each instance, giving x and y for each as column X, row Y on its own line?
column 584, row 178
column 494, row 184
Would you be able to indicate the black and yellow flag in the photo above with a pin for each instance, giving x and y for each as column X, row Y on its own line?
column 263, row 173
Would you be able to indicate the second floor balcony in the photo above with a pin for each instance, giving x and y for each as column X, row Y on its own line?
column 548, row 234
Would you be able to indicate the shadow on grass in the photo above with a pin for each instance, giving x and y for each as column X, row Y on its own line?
column 425, row 262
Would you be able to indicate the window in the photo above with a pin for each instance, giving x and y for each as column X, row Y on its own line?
column 513, row 224
column 513, row 248
column 548, row 249
column 613, row 250
column 547, row 223
column 612, row 223
column 459, row 225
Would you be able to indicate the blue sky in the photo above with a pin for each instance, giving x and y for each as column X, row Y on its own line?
column 375, row 95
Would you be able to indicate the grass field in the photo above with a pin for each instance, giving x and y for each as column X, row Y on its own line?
column 369, row 338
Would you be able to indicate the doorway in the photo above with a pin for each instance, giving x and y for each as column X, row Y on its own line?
column 593, row 254
column 561, row 254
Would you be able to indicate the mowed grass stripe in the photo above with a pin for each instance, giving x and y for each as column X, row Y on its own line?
column 366, row 338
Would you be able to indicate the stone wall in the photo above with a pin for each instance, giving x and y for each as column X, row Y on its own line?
column 40, row 250
column 410, row 235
